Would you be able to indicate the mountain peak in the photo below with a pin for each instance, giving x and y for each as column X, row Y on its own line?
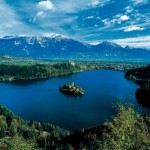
column 106, row 43
column 60, row 36
column 128, row 47
column 55, row 35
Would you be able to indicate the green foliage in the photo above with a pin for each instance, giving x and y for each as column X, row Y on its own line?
column 127, row 131
column 40, row 134
column 139, row 75
column 3, row 128
column 142, row 77
column 17, row 143
column 10, row 72
column 13, row 128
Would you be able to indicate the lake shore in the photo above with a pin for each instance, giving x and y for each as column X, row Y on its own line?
column 43, row 70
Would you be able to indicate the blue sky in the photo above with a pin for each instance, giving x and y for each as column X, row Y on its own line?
column 124, row 22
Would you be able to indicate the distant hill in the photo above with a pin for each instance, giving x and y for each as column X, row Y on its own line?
column 60, row 47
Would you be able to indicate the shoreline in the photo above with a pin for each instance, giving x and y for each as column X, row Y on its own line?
column 80, row 67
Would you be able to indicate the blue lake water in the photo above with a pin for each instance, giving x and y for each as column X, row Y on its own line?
column 42, row 101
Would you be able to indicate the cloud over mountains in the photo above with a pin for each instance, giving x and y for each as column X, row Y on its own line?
column 85, row 20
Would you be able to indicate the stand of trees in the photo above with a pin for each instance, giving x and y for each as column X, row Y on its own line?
column 41, row 135
column 9, row 72
column 141, row 76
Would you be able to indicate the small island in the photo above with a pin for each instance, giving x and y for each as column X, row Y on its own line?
column 71, row 89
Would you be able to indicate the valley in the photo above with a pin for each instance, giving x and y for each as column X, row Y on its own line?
column 20, row 68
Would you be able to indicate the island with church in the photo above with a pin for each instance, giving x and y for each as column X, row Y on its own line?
column 71, row 89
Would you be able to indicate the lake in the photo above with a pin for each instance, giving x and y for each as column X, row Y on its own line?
column 42, row 101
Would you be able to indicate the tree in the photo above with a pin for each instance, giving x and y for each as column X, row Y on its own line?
column 3, row 128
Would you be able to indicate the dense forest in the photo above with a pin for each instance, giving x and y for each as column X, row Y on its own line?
column 141, row 76
column 9, row 72
column 15, row 133
column 128, row 130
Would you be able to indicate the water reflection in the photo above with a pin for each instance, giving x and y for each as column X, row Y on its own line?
column 143, row 97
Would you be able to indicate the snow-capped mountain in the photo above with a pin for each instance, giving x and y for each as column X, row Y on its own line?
column 56, row 46
column 41, row 46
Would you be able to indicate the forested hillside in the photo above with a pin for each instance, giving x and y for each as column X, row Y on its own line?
column 141, row 76
column 10, row 72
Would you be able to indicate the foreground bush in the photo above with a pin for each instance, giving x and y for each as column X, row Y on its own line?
column 128, row 130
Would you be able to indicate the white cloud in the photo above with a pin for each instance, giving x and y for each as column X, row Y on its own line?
column 124, row 18
column 65, row 13
column 90, row 17
column 95, row 3
column 56, row 14
column 99, row 18
column 133, row 28
column 41, row 14
column 94, row 43
column 129, row 9
column 45, row 5
column 139, row 1
column 106, row 21
column 74, row 6
column 138, row 42
column 117, row 19
column 64, row 17
column 10, row 22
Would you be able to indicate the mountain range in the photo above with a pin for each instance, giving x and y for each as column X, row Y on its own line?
column 58, row 46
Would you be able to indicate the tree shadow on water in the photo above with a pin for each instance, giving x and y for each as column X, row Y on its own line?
column 143, row 97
